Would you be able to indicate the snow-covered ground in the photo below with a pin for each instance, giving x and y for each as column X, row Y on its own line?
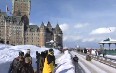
column 64, row 62
column 8, row 53
column 93, row 66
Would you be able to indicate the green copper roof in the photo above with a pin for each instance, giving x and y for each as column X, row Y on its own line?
column 33, row 28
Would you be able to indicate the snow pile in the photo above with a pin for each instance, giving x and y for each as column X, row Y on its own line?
column 111, row 56
column 65, row 64
column 8, row 53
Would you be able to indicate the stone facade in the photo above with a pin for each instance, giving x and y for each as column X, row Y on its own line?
column 21, row 7
column 51, row 37
column 32, row 35
column 14, row 29
column 18, row 30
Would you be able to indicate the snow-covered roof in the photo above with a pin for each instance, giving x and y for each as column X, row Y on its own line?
column 108, row 41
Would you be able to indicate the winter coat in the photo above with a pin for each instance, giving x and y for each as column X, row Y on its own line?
column 28, row 64
column 17, row 66
column 41, row 63
column 85, row 51
column 28, row 58
column 28, row 68
column 49, row 64
column 75, row 59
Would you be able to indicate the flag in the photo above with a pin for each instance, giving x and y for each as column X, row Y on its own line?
column 7, row 9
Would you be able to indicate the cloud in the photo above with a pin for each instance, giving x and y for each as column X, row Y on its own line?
column 88, row 40
column 65, row 38
column 31, row 24
column 93, row 38
column 64, row 27
column 71, row 37
column 103, row 30
column 81, row 25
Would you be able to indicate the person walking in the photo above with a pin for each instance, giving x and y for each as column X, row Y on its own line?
column 49, row 63
column 38, row 62
column 27, row 55
column 28, row 62
column 42, row 60
column 28, row 65
column 17, row 66
column 85, row 50
column 75, row 59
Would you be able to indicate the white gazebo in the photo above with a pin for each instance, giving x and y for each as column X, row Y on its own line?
column 108, row 41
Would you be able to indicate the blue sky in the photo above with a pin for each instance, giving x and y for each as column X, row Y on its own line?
column 84, row 22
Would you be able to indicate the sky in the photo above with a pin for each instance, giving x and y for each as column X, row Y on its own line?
column 84, row 22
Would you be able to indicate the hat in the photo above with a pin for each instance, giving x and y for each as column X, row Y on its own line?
column 28, row 51
column 21, row 53
column 51, row 50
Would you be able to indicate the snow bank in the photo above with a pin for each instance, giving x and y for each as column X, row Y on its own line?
column 65, row 64
column 8, row 53
column 111, row 56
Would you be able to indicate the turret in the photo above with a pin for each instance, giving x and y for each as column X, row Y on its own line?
column 58, row 37
column 42, row 25
column 58, row 29
column 42, row 35
column 49, row 26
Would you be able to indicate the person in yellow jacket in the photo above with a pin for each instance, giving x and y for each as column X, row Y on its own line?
column 49, row 63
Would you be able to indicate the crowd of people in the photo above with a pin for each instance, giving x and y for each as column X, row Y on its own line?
column 23, row 63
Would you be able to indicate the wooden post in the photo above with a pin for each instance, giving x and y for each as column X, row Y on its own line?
column 115, row 45
column 109, row 46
